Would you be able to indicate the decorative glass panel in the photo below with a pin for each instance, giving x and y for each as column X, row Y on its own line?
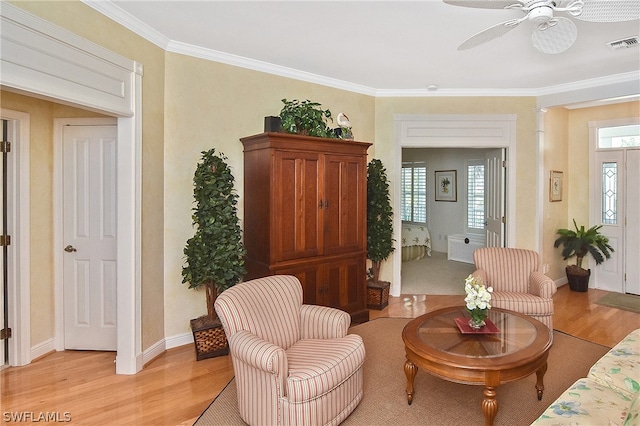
column 609, row 193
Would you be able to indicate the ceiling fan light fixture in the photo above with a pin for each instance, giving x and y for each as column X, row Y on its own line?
column 556, row 38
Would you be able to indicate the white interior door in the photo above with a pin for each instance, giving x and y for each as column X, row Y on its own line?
column 89, row 261
column 632, row 258
column 494, row 197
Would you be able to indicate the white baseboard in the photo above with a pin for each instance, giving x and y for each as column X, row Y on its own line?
column 159, row 347
column 154, row 351
column 42, row 349
column 179, row 340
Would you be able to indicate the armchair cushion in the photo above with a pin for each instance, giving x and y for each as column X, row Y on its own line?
column 319, row 366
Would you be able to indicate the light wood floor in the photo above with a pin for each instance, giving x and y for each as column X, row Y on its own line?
column 175, row 389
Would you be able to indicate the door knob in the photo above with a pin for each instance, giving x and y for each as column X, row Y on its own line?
column 70, row 249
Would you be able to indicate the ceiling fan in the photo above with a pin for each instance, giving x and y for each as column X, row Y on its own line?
column 552, row 34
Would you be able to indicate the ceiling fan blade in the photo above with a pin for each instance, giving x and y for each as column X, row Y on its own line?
column 490, row 33
column 556, row 36
column 609, row 11
column 487, row 4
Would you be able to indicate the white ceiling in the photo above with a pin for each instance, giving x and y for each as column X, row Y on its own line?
column 381, row 47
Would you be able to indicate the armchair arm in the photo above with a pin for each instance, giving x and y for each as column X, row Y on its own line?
column 323, row 322
column 481, row 273
column 541, row 285
column 258, row 353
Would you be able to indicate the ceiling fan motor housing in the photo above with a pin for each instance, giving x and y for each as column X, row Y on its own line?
column 540, row 14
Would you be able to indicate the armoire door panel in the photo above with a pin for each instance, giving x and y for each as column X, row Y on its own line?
column 344, row 220
column 311, row 277
column 297, row 214
column 345, row 283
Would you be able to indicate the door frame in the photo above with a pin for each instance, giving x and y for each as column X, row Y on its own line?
column 452, row 131
column 19, row 291
column 58, row 215
column 594, row 197
column 108, row 83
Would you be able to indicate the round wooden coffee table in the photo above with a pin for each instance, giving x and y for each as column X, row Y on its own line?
column 519, row 348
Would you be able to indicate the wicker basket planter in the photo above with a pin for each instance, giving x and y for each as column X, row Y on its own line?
column 209, row 338
column 378, row 294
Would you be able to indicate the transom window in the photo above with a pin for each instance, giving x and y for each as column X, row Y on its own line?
column 619, row 136
column 414, row 192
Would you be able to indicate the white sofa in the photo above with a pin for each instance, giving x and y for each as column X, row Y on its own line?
column 609, row 395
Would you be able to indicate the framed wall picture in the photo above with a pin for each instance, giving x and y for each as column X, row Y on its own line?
column 555, row 186
column 446, row 185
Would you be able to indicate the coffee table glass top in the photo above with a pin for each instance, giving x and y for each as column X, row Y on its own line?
column 441, row 333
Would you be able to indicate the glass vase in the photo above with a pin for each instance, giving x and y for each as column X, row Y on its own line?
column 476, row 321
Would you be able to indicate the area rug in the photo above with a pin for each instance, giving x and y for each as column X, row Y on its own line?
column 436, row 401
column 627, row 302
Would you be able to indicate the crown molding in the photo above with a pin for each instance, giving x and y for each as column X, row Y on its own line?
column 128, row 21
column 134, row 24
column 240, row 61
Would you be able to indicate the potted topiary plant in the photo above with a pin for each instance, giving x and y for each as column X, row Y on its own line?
column 214, row 256
column 305, row 118
column 579, row 243
column 379, row 232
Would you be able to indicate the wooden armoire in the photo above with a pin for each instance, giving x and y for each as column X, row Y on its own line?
column 305, row 213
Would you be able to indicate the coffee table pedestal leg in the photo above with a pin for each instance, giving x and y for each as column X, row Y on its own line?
column 410, row 371
column 539, row 382
column 489, row 405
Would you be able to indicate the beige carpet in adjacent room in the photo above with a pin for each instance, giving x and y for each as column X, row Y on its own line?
column 436, row 401
column 434, row 275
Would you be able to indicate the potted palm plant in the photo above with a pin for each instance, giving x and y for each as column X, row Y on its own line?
column 379, row 232
column 214, row 256
column 579, row 243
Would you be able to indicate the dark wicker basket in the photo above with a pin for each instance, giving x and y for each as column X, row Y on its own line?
column 209, row 338
column 378, row 294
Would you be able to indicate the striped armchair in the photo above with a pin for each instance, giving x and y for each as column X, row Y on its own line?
column 517, row 283
column 294, row 364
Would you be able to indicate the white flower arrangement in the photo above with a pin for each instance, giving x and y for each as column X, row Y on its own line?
column 478, row 296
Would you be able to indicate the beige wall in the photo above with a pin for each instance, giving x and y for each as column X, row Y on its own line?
column 555, row 154
column 523, row 107
column 41, row 147
column 86, row 22
column 578, row 154
column 191, row 105
column 566, row 148
column 213, row 105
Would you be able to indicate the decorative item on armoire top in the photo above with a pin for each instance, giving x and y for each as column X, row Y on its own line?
column 344, row 130
column 214, row 256
column 305, row 118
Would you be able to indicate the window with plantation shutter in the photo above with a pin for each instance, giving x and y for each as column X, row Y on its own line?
column 414, row 192
column 475, row 195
